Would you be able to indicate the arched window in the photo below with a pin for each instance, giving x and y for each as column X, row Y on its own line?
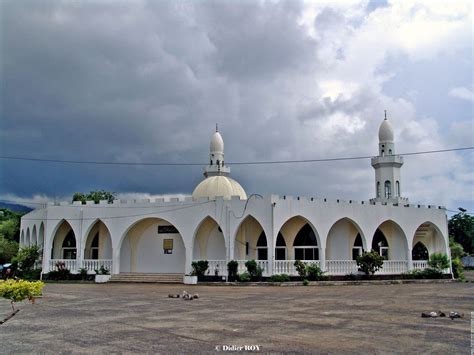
column 262, row 250
column 388, row 189
column 358, row 247
column 305, row 244
column 398, row 188
column 69, row 246
column 95, row 247
column 389, row 152
column 380, row 244
column 280, row 249
column 419, row 252
column 378, row 188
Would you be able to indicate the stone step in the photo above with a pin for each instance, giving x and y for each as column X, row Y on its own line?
column 147, row 278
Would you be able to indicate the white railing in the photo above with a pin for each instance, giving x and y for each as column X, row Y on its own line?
column 394, row 267
column 96, row 264
column 217, row 265
column 288, row 266
column 341, row 267
column 70, row 264
column 420, row 264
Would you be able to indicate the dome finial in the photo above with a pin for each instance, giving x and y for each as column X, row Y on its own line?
column 217, row 128
column 385, row 113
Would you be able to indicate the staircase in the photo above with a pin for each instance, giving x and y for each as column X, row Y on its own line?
column 147, row 278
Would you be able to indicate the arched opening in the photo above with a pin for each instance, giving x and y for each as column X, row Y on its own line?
column 34, row 236
column 342, row 239
column 209, row 241
column 388, row 189
column 378, row 188
column 22, row 238
column 358, row 247
column 64, row 242
column 262, row 248
column 152, row 245
column 41, row 236
column 380, row 244
column 247, row 237
column 419, row 252
column 398, row 188
column 431, row 237
column 98, row 242
column 280, row 248
column 300, row 227
column 305, row 245
column 27, row 239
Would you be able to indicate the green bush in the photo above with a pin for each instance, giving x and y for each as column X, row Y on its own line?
column 232, row 267
column 26, row 258
column 244, row 277
column 305, row 282
column 279, row 278
column 19, row 290
column 8, row 250
column 439, row 261
column 370, row 262
column 314, row 272
column 31, row 275
column 428, row 273
column 199, row 267
column 458, row 269
column 300, row 268
column 254, row 270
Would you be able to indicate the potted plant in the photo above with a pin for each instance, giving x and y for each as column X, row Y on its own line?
column 190, row 279
column 102, row 275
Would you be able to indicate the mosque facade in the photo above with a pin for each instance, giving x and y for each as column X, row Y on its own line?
column 219, row 223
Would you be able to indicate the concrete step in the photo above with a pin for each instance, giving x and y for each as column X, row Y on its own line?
column 147, row 278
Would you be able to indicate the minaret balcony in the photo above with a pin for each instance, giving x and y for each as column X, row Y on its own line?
column 387, row 160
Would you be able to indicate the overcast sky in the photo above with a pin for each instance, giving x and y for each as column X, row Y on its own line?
column 146, row 81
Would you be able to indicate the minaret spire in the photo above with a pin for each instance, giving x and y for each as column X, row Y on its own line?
column 217, row 128
column 383, row 110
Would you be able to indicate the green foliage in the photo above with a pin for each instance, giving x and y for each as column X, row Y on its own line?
column 101, row 271
column 461, row 228
column 457, row 251
column 83, row 273
column 305, row 282
column 300, row 268
column 279, row 278
column 370, row 262
column 95, row 196
column 199, row 267
column 26, row 258
column 254, row 270
column 232, row 267
column 458, row 268
column 8, row 250
column 10, row 224
column 61, row 272
column 428, row 273
column 31, row 275
column 439, row 261
column 244, row 277
column 314, row 272
column 19, row 290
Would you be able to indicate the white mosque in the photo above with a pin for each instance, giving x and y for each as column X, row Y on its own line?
column 220, row 223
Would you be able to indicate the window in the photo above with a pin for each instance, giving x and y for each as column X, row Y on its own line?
column 380, row 244
column 357, row 249
column 419, row 252
column 69, row 246
column 262, row 250
column 378, row 188
column 388, row 189
column 398, row 188
column 168, row 246
column 305, row 245
column 280, row 249
column 95, row 247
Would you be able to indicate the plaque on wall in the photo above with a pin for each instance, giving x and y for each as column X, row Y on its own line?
column 167, row 230
column 168, row 246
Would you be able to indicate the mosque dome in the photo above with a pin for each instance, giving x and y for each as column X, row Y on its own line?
column 386, row 132
column 219, row 185
column 217, row 143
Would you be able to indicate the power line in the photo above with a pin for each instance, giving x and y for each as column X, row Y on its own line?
column 263, row 162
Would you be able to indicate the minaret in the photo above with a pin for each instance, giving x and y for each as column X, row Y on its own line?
column 387, row 167
column 216, row 157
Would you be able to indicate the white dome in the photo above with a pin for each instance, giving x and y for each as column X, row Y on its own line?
column 214, row 186
column 386, row 132
column 217, row 143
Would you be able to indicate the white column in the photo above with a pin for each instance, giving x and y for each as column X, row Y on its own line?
column 322, row 258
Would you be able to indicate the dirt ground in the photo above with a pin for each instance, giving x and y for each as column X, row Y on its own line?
column 137, row 318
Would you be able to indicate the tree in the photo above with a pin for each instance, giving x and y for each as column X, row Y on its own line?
column 370, row 262
column 461, row 228
column 26, row 258
column 95, row 196
column 8, row 250
column 439, row 261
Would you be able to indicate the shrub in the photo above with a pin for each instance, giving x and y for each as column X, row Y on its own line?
column 428, row 273
column 370, row 262
column 254, row 270
column 26, row 258
column 19, row 290
column 31, row 275
column 199, row 267
column 350, row 277
column 300, row 268
column 439, row 261
column 279, row 278
column 83, row 273
column 244, row 277
column 232, row 267
column 305, row 282
column 61, row 272
column 314, row 272
column 458, row 269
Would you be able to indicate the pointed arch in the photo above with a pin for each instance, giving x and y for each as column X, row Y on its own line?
column 98, row 232
column 27, row 240
column 390, row 241
column 64, row 241
column 281, row 250
column 289, row 230
column 152, row 245
column 41, row 235
column 419, row 252
column 246, row 238
column 209, row 241
column 342, row 238
column 431, row 236
column 34, row 236
column 22, row 237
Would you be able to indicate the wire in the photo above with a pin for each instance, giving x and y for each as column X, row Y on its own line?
column 268, row 162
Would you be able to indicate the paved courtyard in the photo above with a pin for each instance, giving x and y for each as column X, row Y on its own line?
column 141, row 318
